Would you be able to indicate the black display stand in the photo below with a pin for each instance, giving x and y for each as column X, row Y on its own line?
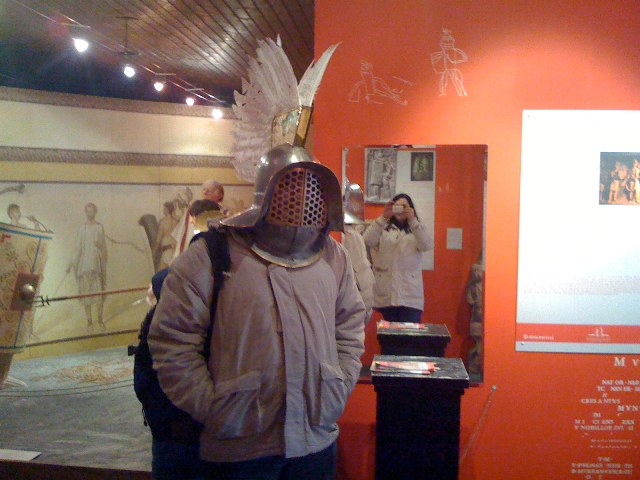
column 418, row 420
column 430, row 340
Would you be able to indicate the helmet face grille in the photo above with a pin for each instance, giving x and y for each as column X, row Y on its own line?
column 298, row 200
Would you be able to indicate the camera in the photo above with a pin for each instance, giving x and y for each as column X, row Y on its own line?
column 397, row 208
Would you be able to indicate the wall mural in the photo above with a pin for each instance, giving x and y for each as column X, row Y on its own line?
column 108, row 237
column 371, row 88
column 444, row 64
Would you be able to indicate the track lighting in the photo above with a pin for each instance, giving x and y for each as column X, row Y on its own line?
column 160, row 80
column 128, row 68
column 190, row 100
column 83, row 39
column 78, row 35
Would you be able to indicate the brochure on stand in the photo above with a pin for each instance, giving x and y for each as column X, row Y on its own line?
column 402, row 325
column 408, row 366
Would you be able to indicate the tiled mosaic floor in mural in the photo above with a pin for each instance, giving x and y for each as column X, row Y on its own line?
column 77, row 409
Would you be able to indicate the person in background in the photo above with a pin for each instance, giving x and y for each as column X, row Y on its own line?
column 214, row 190
column 204, row 213
column 184, row 231
column 173, row 457
column 397, row 241
column 174, row 445
column 288, row 332
column 353, row 242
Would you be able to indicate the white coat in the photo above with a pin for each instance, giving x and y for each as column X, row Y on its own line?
column 397, row 263
column 357, row 250
column 285, row 350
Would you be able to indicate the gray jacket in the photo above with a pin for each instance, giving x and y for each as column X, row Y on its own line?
column 285, row 350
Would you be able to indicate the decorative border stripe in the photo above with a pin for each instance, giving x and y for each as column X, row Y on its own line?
column 53, row 155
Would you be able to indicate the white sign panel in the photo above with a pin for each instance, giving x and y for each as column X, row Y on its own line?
column 579, row 251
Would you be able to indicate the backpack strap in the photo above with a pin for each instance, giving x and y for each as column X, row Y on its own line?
column 218, row 247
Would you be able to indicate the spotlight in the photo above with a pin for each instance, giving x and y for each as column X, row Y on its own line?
column 216, row 113
column 79, row 37
column 129, row 70
column 81, row 44
column 190, row 100
column 160, row 80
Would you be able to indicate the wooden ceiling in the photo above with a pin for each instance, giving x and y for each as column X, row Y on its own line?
column 204, row 44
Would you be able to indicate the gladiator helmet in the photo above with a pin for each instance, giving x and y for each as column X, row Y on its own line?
column 296, row 201
column 353, row 204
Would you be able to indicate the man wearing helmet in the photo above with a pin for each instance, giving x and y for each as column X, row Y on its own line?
column 287, row 336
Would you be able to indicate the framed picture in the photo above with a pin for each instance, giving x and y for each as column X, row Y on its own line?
column 619, row 178
column 380, row 174
column 422, row 166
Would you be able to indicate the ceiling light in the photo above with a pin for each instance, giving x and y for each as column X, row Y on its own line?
column 160, row 80
column 79, row 37
column 129, row 70
column 216, row 113
column 190, row 100
column 128, row 67
column 81, row 44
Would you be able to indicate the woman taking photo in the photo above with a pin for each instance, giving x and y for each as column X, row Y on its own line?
column 397, row 240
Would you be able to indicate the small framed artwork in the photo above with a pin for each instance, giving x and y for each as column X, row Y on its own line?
column 380, row 174
column 422, row 166
column 619, row 178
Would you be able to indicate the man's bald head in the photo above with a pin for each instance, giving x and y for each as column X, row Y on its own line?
column 213, row 190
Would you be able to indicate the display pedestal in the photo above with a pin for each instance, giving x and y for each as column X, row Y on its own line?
column 418, row 420
column 428, row 341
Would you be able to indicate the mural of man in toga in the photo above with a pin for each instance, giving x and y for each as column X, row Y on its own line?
column 89, row 263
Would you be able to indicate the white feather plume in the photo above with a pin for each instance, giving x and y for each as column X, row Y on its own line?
column 272, row 89
column 312, row 77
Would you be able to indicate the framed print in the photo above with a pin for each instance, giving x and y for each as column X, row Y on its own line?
column 619, row 178
column 422, row 166
column 380, row 174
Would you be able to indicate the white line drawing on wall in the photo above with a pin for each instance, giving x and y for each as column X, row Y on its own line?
column 374, row 89
column 444, row 61
column 408, row 82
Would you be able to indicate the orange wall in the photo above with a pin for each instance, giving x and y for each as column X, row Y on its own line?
column 580, row 54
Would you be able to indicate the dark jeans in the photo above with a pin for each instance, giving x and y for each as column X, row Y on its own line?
column 175, row 461
column 315, row 466
column 400, row 314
